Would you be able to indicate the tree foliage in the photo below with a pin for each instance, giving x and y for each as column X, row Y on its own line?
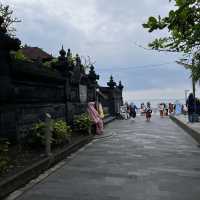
column 183, row 24
column 9, row 20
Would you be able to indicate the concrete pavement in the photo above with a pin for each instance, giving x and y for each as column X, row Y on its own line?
column 138, row 160
column 192, row 128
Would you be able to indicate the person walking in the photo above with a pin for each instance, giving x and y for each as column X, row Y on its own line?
column 178, row 108
column 190, row 107
column 161, row 108
column 148, row 111
column 171, row 108
column 133, row 109
column 95, row 117
column 127, row 110
column 166, row 110
column 142, row 109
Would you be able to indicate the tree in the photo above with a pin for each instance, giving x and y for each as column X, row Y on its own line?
column 183, row 24
column 9, row 21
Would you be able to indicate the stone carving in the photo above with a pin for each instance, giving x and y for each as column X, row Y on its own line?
column 120, row 86
column 83, row 93
column 93, row 76
column 111, row 83
column 27, row 91
column 62, row 63
column 70, row 62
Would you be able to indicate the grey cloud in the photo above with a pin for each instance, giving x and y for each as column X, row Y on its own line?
column 105, row 30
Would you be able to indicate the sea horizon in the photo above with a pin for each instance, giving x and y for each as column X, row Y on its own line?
column 154, row 102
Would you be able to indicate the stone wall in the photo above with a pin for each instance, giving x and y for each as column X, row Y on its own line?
column 35, row 90
column 30, row 89
column 111, row 96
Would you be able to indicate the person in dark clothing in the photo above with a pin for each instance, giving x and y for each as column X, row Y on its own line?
column 171, row 108
column 133, row 109
column 191, row 107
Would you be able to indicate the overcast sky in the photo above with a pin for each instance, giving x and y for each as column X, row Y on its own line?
column 106, row 30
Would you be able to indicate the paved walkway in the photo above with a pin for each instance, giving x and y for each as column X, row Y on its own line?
column 140, row 161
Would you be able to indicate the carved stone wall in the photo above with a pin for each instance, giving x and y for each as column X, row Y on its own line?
column 28, row 90
column 111, row 98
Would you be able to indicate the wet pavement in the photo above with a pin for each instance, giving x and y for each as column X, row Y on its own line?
column 138, row 160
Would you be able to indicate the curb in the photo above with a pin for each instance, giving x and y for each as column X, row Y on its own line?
column 103, row 136
column 108, row 119
column 195, row 134
column 22, row 178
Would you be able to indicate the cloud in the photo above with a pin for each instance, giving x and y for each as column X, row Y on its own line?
column 155, row 94
column 105, row 30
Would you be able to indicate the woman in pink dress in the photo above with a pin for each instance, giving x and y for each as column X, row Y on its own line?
column 95, row 117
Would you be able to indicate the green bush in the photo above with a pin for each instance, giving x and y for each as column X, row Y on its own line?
column 82, row 124
column 4, row 160
column 36, row 135
column 49, row 64
column 18, row 55
column 61, row 132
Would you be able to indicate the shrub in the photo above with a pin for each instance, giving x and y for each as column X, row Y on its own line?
column 4, row 160
column 61, row 132
column 82, row 124
column 36, row 135
column 48, row 64
column 18, row 55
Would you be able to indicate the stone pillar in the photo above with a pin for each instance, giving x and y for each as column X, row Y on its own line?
column 121, row 87
column 115, row 96
column 92, row 84
column 112, row 87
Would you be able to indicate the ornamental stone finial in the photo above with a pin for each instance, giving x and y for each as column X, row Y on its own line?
column 92, row 74
column 120, row 86
column 78, row 60
column 62, row 52
column 111, row 83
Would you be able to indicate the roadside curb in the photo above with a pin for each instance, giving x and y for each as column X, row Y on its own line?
column 194, row 133
column 22, row 178
column 108, row 119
